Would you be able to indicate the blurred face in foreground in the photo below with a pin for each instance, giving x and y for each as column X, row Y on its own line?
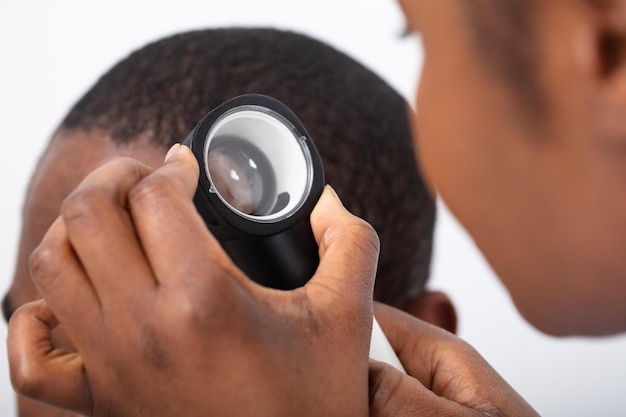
column 522, row 130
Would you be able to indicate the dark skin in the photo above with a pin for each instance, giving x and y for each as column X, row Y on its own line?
column 168, row 321
column 248, row 333
column 565, row 241
column 65, row 163
column 556, row 186
column 541, row 193
column 69, row 158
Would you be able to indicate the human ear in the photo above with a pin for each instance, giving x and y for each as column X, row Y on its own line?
column 435, row 308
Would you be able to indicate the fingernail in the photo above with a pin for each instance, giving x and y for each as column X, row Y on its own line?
column 332, row 190
column 334, row 194
column 173, row 151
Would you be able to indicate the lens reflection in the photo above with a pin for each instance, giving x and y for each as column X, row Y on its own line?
column 242, row 175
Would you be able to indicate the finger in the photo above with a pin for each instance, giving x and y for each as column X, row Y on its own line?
column 393, row 393
column 405, row 333
column 60, row 278
column 102, row 233
column 447, row 366
column 38, row 369
column 349, row 250
column 169, row 225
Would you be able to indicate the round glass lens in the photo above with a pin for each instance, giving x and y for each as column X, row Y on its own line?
column 242, row 175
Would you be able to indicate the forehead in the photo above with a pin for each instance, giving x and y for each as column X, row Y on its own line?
column 69, row 157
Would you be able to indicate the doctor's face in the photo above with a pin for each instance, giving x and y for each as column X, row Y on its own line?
column 508, row 137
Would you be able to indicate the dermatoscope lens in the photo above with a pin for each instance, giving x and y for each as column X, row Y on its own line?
column 258, row 164
column 242, row 175
column 260, row 178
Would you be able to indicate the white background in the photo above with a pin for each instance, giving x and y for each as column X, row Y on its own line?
column 51, row 52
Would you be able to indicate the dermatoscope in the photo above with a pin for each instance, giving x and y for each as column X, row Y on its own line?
column 260, row 178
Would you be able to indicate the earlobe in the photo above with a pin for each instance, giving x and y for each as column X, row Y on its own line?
column 435, row 308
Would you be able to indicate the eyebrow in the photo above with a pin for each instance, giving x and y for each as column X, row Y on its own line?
column 7, row 308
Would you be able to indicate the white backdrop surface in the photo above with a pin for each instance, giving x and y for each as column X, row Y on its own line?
column 51, row 52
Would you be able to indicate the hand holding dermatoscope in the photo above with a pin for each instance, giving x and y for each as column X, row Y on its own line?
column 260, row 178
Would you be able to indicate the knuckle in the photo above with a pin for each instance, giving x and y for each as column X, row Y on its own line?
column 355, row 232
column 365, row 242
column 386, row 385
column 44, row 262
column 365, row 236
column 84, row 206
column 149, row 192
column 211, row 306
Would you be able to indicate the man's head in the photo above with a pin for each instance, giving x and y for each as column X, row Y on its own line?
column 522, row 106
column 154, row 98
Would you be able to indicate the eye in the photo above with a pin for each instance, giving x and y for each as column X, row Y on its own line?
column 7, row 310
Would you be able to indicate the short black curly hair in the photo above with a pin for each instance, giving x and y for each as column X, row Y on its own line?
column 357, row 121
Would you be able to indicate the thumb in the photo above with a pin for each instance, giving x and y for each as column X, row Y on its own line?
column 348, row 249
column 38, row 369
column 181, row 165
column 393, row 393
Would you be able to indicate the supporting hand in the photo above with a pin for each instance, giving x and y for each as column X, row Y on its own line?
column 446, row 376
